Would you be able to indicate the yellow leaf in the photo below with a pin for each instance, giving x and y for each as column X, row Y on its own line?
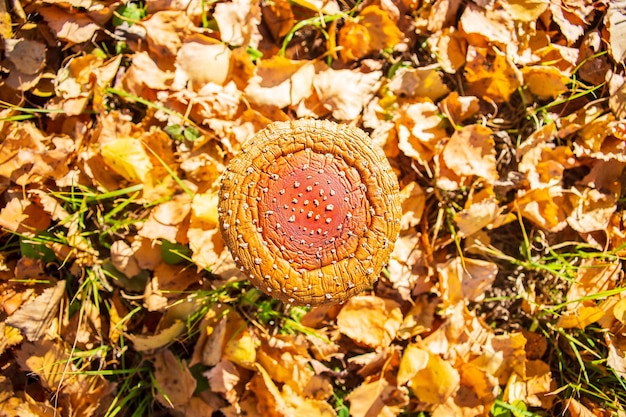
column 370, row 321
column 383, row 31
column 580, row 318
column 354, row 40
column 491, row 77
column 470, row 151
column 436, row 382
column 240, row 347
column 414, row 359
column 545, row 82
column 127, row 157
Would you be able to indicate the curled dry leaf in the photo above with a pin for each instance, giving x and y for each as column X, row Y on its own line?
column 174, row 379
column 280, row 82
column 238, row 22
column 377, row 398
column 425, row 82
column 310, row 210
column 492, row 77
column 200, row 61
column 470, row 151
column 370, row 321
column 465, row 279
column 36, row 317
column 345, row 92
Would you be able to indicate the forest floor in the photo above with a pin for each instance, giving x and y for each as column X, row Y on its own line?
column 504, row 121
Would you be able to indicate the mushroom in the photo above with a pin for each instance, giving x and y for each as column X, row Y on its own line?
column 310, row 211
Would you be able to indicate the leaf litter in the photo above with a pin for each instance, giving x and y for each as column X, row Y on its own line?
column 503, row 120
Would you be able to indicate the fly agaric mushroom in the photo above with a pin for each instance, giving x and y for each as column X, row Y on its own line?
column 310, row 211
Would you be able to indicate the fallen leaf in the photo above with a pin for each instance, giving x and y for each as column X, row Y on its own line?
column 419, row 82
column 432, row 367
column 377, row 398
column 370, row 321
column 420, row 130
column 238, row 22
column 345, row 92
column 465, row 279
column 280, row 82
column 491, row 76
column 545, row 82
column 173, row 379
column 200, row 61
column 73, row 27
column 470, row 151
column 34, row 319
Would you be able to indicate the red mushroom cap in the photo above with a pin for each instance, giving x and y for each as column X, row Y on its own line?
column 310, row 211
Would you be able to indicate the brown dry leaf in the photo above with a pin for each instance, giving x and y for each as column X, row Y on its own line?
column 279, row 17
column 592, row 209
column 484, row 27
column 28, row 156
column 419, row 82
column 354, row 40
column 450, row 47
column 617, row 98
column 22, row 216
column 478, row 215
column 470, row 152
column 545, row 82
column 165, row 31
column 274, row 403
column 35, row 318
column 577, row 409
column 533, row 388
column 603, row 138
column 572, row 17
column 458, row 109
column 345, row 93
column 616, row 358
column 409, row 270
column 383, row 31
column 280, row 82
column 123, row 259
column 223, row 379
column 201, row 60
column 72, row 27
column 166, row 220
column 413, row 201
column 594, row 276
column 544, row 207
column 144, row 75
column 27, row 56
column 614, row 21
column 377, row 398
column 525, row 10
column 286, row 360
column 580, row 318
column 489, row 76
column 465, row 279
column 370, row 320
column 47, row 360
column 238, row 22
column 420, row 129
column 173, row 379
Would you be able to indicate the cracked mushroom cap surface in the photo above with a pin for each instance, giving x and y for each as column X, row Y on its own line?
column 310, row 211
